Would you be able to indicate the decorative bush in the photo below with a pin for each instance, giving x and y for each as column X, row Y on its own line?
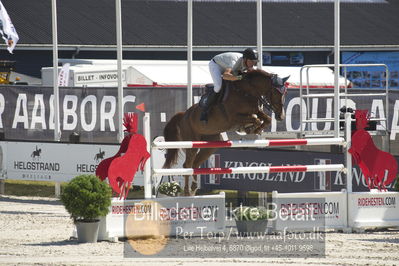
column 245, row 213
column 170, row 188
column 86, row 198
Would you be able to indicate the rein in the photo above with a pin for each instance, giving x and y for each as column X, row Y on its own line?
column 265, row 103
column 262, row 99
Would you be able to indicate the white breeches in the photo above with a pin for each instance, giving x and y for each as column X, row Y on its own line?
column 216, row 74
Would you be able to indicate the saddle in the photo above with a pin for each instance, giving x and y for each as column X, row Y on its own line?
column 222, row 95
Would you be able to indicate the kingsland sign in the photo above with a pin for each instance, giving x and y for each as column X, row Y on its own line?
column 282, row 182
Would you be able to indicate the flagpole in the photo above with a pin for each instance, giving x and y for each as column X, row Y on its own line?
column 119, row 59
column 336, row 65
column 259, row 33
column 57, row 133
column 189, row 52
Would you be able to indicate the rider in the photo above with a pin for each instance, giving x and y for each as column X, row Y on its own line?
column 227, row 66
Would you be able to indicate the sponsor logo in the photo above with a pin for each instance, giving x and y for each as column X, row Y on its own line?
column 99, row 156
column 43, row 168
column 36, row 153
column 318, row 210
column 91, row 168
column 389, row 202
column 322, row 180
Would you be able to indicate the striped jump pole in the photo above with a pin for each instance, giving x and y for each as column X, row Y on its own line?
column 247, row 143
column 250, row 170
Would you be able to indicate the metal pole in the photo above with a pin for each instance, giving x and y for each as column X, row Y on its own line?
column 57, row 189
column 57, row 133
column 348, row 156
column 348, row 165
column 336, row 66
column 147, row 167
column 300, row 102
column 189, row 52
column 119, row 63
column 387, row 104
column 2, row 186
column 259, row 32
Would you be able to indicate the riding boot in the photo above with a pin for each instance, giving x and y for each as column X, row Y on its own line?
column 209, row 101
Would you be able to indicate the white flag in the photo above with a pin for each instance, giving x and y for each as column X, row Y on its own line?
column 7, row 30
column 63, row 76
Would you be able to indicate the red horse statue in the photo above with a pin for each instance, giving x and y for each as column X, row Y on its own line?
column 132, row 156
column 378, row 167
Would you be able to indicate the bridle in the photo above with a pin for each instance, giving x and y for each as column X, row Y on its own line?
column 278, row 84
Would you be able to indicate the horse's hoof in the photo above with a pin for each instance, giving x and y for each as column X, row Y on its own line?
column 194, row 188
column 249, row 130
column 258, row 131
column 193, row 192
column 186, row 192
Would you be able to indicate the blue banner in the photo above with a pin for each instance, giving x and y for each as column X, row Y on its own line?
column 372, row 77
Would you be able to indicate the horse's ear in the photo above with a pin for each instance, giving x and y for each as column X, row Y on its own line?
column 286, row 78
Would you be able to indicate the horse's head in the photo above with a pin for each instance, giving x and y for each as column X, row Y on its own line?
column 272, row 89
column 277, row 96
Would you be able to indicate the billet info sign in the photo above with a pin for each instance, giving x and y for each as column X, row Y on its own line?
column 57, row 162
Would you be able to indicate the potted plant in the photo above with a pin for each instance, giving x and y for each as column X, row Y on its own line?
column 86, row 198
column 251, row 219
column 170, row 189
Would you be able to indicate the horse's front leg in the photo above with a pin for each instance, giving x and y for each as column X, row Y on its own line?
column 186, row 185
column 248, row 119
column 267, row 120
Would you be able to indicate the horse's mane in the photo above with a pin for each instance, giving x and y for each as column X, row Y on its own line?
column 257, row 72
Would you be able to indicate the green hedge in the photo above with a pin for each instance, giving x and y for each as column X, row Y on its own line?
column 86, row 198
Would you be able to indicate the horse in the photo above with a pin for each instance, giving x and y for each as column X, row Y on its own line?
column 241, row 108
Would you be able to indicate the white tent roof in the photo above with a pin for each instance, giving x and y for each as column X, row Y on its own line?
column 169, row 74
column 319, row 77
column 174, row 72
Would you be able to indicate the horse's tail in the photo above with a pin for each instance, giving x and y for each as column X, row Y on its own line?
column 171, row 132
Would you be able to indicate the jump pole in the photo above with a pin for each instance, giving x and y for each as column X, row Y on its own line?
column 249, row 170
column 247, row 143
column 148, row 165
column 348, row 163
column 149, row 171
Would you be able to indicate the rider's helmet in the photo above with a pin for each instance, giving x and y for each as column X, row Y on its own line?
column 250, row 54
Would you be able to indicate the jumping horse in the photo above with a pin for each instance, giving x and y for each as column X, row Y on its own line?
column 241, row 108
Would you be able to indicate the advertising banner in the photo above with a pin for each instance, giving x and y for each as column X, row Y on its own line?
column 282, row 182
column 373, row 209
column 372, row 77
column 58, row 162
column 300, row 211
column 27, row 113
column 174, row 216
